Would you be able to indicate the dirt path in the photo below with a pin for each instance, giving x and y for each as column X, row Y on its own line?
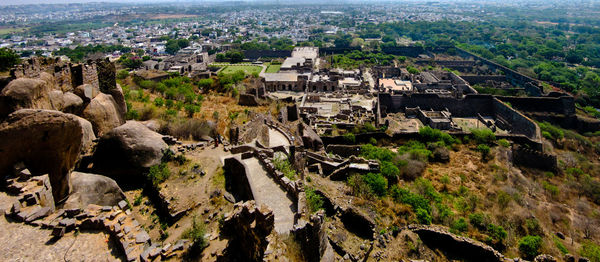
column 267, row 192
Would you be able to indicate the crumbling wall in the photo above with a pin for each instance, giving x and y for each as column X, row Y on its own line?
column 520, row 124
column 100, row 74
column 482, row 79
column 466, row 107
column 531, row 85
column 470, row 106
column 236, row 179
column 561, row 105
column 535, row 159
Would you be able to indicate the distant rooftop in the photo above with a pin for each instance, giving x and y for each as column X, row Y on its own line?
column 281, row 77
column 395, row 84
column 289, row 62
column 306, row 52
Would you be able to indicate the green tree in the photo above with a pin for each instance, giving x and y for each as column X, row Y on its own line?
column 8, row 59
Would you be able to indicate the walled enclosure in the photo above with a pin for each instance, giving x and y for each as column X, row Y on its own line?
column 469, row 106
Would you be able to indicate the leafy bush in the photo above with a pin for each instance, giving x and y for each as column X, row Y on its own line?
column 389, row 170
column 159, row 101
column 404, row 196
column 359, row 186
column 551, row 189
column 314, row 201
column 429, row 134
column 159, row 173
column 460, row 225
column 478, row 220
column 283, row 165
column 372, row 141
column 196, row 234
column 377, row 183
column 423, row 216
column 484, row 150
column 529, row 246
column 497, row 233
column 373, row 152
column 122, row 74
column 551, row 132
column 503, row 143
column 483, row 136
column 350, row 138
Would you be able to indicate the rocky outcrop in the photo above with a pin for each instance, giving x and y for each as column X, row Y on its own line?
column 313, row 239
column 310, row 139
column 117, row 94
column 544, row 258
column 87, row 140
column 103, row 113
column 128, row 151
column 247, row 228
column 456, row 247
column 46, row 141
column 152, row 125
column 248, row 100
column 93, row 189
column 65, row 102
column 358, row 223
column 24, row 93
column 86, row 92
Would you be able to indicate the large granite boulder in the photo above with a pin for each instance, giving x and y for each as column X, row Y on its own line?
column 66, row 102
column 93, row 189
column 86, row 92
column 46, row 141
column 117, row 94
column 247, row 228
column 88, row 137
column 103, row 113
column 310, row 138
column 128, row 150
column 24, row 93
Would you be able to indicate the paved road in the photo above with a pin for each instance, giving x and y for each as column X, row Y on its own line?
column 267, row 191
column 276, row 138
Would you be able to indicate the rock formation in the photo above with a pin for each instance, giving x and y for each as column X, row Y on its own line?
column 24, row 93
column 93, row 189
column 103, row 113
column 313, row 238
column 128, row 151
column 310, row 139
column 247, row 228
column 46, row 141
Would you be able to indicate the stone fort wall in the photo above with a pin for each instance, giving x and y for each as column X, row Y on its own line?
column 100, row 73
column 561, row 105
column 469, row 106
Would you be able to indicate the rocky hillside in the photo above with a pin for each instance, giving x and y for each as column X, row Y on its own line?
column 183, row 169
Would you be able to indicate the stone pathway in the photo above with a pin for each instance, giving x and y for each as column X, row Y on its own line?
column 276, row 138
column 267, row 191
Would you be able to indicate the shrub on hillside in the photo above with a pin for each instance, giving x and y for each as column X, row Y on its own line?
column 529, row 246
column 314, row 201
column 483, row 136
column 429, row 134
